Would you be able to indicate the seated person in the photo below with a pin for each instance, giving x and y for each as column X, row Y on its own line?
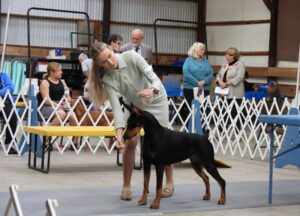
column 7, row 85
column 115, row 42
column 248, row 86
column 273, row 89
column 53, row 88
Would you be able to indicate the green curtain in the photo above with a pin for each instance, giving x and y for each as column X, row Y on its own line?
column 16, row 73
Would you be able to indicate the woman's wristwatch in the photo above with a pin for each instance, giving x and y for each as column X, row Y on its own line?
column 155, row 91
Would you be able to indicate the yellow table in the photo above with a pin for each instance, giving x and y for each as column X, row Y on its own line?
column 49, row 131
column 71, row 130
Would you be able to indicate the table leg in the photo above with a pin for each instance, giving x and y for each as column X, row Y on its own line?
column 35, row 151
column 43, row 152
column 29, row 151
column 49, row 152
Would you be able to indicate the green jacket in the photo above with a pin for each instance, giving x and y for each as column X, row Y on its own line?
column 133, row 75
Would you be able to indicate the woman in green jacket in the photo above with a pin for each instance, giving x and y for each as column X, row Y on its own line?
column 131, row 76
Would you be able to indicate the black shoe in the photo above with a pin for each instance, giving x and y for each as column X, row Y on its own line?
column 12, row 151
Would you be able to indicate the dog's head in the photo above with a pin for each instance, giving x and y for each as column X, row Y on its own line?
column 135, row 121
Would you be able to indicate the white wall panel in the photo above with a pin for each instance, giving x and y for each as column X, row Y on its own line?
column 219, row 38
column 50, row 33
column 232, row 10
column 255, row 10
column 145, row 11
column 249, row 61
column 224, row 10
column 254, row 37
column 243, row 37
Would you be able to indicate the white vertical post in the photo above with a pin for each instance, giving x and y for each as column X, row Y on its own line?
column 193, row 118
column 51, row 204
column 297, row 83
column 5, row 36
column 14, row 200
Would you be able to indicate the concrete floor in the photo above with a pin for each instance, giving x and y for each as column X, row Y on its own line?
column 86, row 170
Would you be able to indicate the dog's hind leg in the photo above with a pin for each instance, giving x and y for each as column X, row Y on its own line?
column 212, row 170
column 147, row 172
column 159, row 179
column 197, row 166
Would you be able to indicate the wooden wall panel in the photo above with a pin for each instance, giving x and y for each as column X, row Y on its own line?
column 288, row 30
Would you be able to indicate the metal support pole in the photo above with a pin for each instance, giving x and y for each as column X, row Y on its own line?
column 4, row 42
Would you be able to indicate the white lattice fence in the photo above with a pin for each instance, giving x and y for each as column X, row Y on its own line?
column 242, row 135
column 250, row 139
column 85, row 113
column 19, row 113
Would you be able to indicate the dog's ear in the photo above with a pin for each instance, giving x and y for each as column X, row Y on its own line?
column 131, row 108
column 127, row 106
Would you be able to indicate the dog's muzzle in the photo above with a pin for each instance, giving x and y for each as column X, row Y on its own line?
column 129, row 134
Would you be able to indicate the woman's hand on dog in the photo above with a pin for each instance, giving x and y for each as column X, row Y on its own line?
column 146, row 93
column 120, row 144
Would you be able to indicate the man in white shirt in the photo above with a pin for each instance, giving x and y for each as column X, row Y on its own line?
column 86, row 65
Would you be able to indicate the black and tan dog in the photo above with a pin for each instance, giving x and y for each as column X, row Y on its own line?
column 163, row 147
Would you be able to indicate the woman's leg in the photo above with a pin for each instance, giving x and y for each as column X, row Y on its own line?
column 128, row 161
column 169, row 177
column 189, row 96
column 73, row 122
column 59, row 117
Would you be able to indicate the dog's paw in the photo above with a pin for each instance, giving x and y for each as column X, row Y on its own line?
column 222, row 201
column 154, row 205
column 206, row 197
column 142, row 201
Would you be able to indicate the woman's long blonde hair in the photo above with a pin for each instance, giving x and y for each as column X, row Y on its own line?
column 96, row 90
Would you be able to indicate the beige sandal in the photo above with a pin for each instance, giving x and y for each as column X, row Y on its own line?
column 166, row 193
column 126, row 194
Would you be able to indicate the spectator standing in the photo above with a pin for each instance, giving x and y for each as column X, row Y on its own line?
column 137, row 37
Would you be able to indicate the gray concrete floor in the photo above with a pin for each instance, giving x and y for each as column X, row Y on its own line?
column 86, row 170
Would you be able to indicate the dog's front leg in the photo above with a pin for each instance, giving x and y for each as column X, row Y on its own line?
column 147, row 172
column 159, row 180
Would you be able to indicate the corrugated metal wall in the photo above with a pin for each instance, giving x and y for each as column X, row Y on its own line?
column 170, row 40
column 57, row 34
column 21, row 7
column 47, row 33
column 43, row 33
column 145, row 11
